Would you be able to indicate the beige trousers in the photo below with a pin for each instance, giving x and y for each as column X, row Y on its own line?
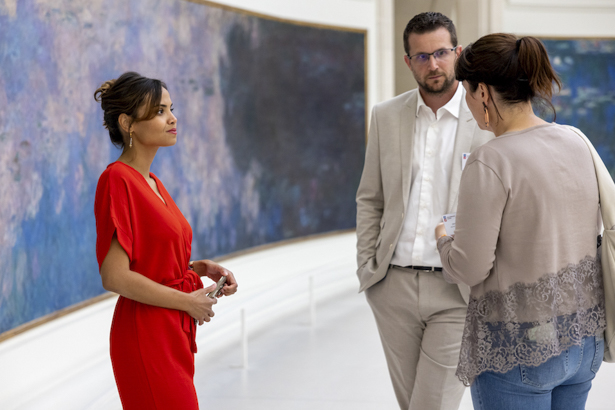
column 420, row 318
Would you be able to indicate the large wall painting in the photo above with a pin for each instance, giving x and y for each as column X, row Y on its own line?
column 270, row 143
column 587, row 99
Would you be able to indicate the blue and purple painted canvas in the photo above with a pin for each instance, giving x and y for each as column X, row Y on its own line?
column 587, row 99
column 271, row 132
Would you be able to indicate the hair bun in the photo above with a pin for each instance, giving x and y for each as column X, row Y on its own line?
column 127, row 94
column 102, row 90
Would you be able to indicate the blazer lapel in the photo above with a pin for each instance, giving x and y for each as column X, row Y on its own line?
column 463, row 144
column 406, row 135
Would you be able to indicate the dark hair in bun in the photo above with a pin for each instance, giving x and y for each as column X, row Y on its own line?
column 517, row 68
column 126, row 95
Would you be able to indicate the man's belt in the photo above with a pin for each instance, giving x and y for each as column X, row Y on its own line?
column 428, row 268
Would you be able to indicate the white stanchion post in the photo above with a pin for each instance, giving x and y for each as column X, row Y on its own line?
column 312, row 301
column 244, row 339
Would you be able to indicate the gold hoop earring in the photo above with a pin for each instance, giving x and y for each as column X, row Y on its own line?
column 130, row 145
column 486, row 115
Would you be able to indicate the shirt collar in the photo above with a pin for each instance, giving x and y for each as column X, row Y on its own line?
column 451, row 106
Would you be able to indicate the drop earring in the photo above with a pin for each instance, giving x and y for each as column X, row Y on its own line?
column 130, row 145
column 486, row 115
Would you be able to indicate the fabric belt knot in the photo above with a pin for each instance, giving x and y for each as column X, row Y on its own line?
column 187, row 283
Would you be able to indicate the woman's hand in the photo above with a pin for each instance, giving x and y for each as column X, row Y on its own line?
column 200, row 306
column 214, row 272
column 440, row 231
column 117, row 277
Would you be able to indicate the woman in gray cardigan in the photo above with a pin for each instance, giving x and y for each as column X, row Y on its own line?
column 525, row 239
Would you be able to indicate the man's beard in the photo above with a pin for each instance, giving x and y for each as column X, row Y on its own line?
column 440, row 88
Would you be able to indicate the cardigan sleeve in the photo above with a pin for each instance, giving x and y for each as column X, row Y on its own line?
column 468, row 257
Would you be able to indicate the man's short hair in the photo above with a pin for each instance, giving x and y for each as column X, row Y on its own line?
column 428, row 22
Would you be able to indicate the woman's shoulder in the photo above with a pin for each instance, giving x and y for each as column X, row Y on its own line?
column 117, row 171
column 531, row 146
column 567, row 130
column 116, row 176
column 522, row 140
column 561, row 137
column 492, row 150
column 498, row 153
column 542, row 130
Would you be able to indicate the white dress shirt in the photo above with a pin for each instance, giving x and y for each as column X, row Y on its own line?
column 432, row 163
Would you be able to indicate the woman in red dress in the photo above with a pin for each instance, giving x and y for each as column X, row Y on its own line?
column 143, row 249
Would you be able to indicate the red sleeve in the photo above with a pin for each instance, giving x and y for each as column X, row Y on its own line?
column 112, row 212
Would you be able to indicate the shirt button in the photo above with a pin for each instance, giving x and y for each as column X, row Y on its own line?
column 390, row 246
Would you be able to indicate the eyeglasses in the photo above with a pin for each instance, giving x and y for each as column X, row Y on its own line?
column 440, row 55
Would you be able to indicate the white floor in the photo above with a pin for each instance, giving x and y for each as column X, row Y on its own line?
column 337, row 364
column 310, row 342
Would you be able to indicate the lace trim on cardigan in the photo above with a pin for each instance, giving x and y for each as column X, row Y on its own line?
column 530, row 323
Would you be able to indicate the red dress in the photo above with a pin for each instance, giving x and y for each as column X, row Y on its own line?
column 152, row 348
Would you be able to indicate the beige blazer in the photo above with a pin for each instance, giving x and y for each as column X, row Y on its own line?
column 384, row 189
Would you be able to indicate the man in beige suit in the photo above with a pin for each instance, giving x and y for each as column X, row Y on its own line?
column 410, row 179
